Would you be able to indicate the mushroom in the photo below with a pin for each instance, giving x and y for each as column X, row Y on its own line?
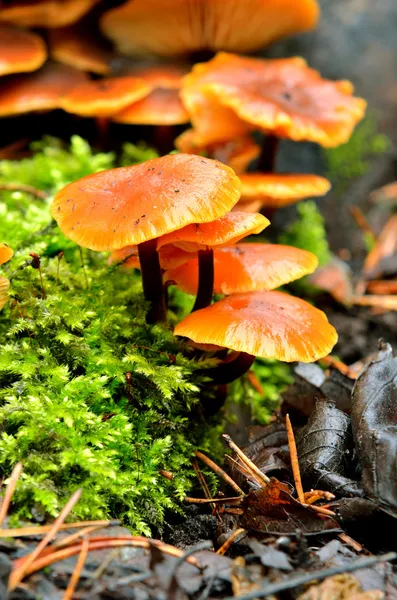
column 75, row 46
column 282, row 97
column 247, row 268
column 45, row 13
column 202, row 238
column 6, row 254
column 20, row 51
column 169, row 257
column 275, row 190
column 162, row 106
column 172, row 27
column 38, row 91
column 264, row 324
column 136, row 205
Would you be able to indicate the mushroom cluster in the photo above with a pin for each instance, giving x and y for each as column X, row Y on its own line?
column 172, row 218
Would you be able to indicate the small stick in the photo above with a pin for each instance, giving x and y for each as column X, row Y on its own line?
column 255, row 383
column 230, row 541
column 204, row 485
column 21, row 187
column 350, row 542
column 83, row 266
column 220, row 472
column 67, row 541
column 233, row 500
column 320, row 510
column 386, row 302
column 331, row 361
column 315, row 495
column 166, row 474
column 362, row 221
column 77, row 571
column 60, row 256
column 15, row 475
column 382, row 287
column 34, row 530
column 294, row 460
column 18, row 574
column 260, row 477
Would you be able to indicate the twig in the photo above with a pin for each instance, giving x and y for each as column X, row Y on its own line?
column 27, row 189
column 41, row 530
column 204, row 486
column 83, row 266
column 77, row 571
column 386, row 302
column 67, row 541
column 362, row 221
column 234, row 500
column 350, row 542
column 331, row 361
column 260, row 477
column 230, row 541
column 293, row 582
column 220, row 472
column 18, row 574
column 294, row 460
column 15, row 475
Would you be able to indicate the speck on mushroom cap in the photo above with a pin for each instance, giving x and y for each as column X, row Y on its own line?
column 45, row 13
column 227, row 230
column 40, row 90
column 283, row 96
column 20, row 51
column 162, row 106
column 76, row 47
column 4, row 287
column 264, row 324
column 6, row 253
column 248, row 268
column 171, row 27
column 105, row 97
column 130, row 205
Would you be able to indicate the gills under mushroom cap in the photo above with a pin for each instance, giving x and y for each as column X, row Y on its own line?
column 45, row 13
column 131, row 205
column 264, row 324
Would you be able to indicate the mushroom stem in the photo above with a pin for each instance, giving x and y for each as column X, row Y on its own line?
column 228, row 371
column 268, row 155
column 152, row 281
column 205, row 279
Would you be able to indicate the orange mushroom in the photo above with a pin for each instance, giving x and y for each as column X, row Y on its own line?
column 238, row 152
column 171, row 27
column 265, row 324
column 247, row 268
column 162, row 106
column 38, row 91
column 20, row 51
column 169, row 256
column 45, row 13
column 104, row 97
column 136, row 205
column 76, row 47
column 274, row 190
column 283, row 97
column 6, row 253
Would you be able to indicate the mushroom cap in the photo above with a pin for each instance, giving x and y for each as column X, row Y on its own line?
column 76, row 47
column 40, row 90
column 172, row 27
column 6, row 253
column 237, row 152
column 170, row 257
column 130, row 205
column 45, row 13
column 265, row 324
column 162, row 106
column 166, row 75
column 224, row 231
column 105, row 97
column 248, row 268
column 282, row 96
column 281, row 189
column 4, row 287
column 20, row 51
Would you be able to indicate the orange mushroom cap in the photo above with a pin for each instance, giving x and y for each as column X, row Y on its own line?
column 170, row 257
column 4, row 287
column 224, row 231
column 168, row 76
column 45, row 13
column 6, row 253
column 41, row 90
column 162, row 106
column 20, row 51
column 282, row 96
column 130, row 205
column 105, row 97
column 248, row 268
column 264, row 324
column 237, row 152
column 275, row 190
column 171, row 27
column 74, row 46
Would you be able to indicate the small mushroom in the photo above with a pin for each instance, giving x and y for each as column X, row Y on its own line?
column 20, row 51
column 264, row 324
column 282, row 96
column 38, row 91
column 138, row 204
column 172, row 27
column 6, row 254
column 45, row 13
column 75, row 46
column 169, row 256
column 247, row 268
column 162, row 106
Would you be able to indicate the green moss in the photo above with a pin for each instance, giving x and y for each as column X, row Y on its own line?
column 69, row 411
